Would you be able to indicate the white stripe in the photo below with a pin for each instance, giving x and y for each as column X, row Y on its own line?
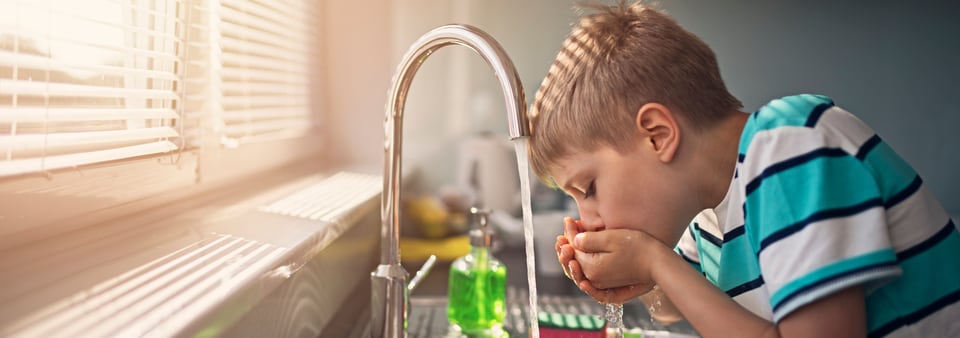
column 915, row 219
column 822, row 243
column 776, row 145
column 837, row 129
column 730, row 210
column 708, row 222
column 757, row 301
column 688, row 245
column 943, row 323
column 845, row 130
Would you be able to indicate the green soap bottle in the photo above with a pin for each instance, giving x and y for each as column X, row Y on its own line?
column 477, row 289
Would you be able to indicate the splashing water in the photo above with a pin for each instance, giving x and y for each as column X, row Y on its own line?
column 523, row 166
column 613, row 313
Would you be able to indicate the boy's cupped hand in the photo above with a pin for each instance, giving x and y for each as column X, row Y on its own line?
column 608, row 265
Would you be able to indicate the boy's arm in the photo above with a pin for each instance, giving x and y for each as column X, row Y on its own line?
column 714, row 314
column 709, row 310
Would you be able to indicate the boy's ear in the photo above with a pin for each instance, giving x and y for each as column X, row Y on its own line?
column 658, row 130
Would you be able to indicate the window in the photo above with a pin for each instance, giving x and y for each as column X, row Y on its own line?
column 87, row 82
column 158, row 91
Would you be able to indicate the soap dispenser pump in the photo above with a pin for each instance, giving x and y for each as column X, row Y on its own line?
column 477, row 288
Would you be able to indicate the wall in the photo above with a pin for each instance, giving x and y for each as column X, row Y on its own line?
column 893, row 64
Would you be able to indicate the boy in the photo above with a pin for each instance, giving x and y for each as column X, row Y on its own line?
column 805, row 224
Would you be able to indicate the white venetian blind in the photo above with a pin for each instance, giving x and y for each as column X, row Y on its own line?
column 85, row 82
column 265, row 55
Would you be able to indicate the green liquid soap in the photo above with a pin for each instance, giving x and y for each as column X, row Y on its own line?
column 477, row 289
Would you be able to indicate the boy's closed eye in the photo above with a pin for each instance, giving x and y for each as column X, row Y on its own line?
column 591, row 190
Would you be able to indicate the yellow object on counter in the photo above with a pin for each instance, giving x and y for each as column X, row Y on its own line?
column 430, row 216
column 446, row 249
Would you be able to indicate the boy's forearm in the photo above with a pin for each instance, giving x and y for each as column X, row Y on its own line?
column 701, row 302
column 660, row 307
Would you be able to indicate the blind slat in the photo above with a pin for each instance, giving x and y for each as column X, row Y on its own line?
column 247, row 101
column 264, row 113
column 230, row 29
column 34, row 143
column 244, row 88
column 31, row 165
column 238, row 45
column 35, row 88
column 248, row 19
column 291, row 126
column 246, row 61
column 263, row 76
column 34, row 115
column 40, row 62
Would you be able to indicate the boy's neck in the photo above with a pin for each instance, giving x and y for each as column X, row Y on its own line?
column 720, row 147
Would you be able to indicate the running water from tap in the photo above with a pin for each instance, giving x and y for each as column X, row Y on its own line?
column 613, row 313
column 523, row 166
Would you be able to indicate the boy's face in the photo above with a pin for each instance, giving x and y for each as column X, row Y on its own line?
column 631, row 190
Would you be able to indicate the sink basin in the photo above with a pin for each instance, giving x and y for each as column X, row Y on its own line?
column 428, row 315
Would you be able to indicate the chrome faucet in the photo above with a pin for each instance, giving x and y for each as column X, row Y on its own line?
column 389, row 281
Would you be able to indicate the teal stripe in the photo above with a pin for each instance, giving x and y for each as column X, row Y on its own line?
column 831, row 270
column 740, row 264
column 891, row 172
column 927, row 276
column 788, row 111
column 792, row 195
column 709, row 259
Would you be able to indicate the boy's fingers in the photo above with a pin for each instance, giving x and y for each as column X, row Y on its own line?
column 576, row 272
column 560, row 242
column 569, row 228
column 594, row 242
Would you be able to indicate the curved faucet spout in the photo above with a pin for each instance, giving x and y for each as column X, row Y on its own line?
column 389, row 298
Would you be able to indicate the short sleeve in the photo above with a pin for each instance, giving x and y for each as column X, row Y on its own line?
column 687, row 248
column 815, row 217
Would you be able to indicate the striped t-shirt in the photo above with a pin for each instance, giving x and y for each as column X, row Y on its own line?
column 818, row 203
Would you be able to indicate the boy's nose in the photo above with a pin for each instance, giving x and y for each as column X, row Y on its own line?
column 590, row 221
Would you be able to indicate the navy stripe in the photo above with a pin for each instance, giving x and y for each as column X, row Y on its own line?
column 928, row 243
column 816, row 113
column 740, row 157
column 745, row 287
column 692, row 262
column 690, row 229
column 866, row 147
column 916, row 316
column 793, row 162
column 813, row 286
column 818, row 216
column 733, row 234
column 905, row 193
column 708, row 236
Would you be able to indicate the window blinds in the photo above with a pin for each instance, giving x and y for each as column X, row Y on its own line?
column 88, row 81
column 265, row 67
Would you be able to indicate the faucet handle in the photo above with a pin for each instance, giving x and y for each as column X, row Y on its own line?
column 423, row 272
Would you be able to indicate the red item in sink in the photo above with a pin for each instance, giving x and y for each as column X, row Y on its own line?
column 565, row 325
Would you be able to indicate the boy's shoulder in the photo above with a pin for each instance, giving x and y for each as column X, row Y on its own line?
column 803, row 110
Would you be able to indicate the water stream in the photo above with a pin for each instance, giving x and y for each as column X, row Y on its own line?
column 523, row 166
column 613, row 313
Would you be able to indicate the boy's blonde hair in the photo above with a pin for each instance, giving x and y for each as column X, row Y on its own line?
column 612, row 63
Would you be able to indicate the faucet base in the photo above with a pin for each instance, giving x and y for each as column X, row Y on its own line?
column 388, row 311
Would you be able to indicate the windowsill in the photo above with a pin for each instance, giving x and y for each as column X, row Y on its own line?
column 196, row 265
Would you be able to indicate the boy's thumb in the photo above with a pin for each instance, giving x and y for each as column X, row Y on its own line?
column 588, row 241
